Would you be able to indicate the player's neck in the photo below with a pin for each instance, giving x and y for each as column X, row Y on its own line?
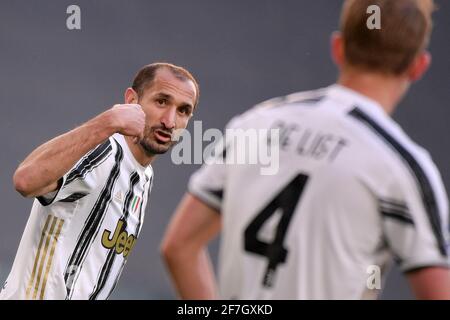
column 385, row 90
column 138, row 153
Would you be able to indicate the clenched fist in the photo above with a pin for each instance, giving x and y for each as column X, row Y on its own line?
column 129, row 119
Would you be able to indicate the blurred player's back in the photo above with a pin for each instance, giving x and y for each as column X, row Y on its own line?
column 345, row 191
column 351, row 192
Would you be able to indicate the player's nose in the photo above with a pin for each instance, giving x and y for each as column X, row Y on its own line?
column 169, row 118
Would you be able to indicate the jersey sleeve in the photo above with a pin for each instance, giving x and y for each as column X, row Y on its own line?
column 208, row 183
column 81, row 179
column 416, row 219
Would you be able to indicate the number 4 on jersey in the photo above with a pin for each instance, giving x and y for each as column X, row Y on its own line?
column 286, row 201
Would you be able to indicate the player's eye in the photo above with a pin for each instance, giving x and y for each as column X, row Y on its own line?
column 161, row 101
column 185, row 110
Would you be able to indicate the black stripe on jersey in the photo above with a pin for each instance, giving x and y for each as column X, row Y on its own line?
column 106, row 269
column 393, row 204
column 398, row 215
column 117, row 278
column 91, row 226
column 310, row 100
column 44, row 201
column 223, row 154
column 424, row 184
column 396, row 210
column 136, row 233
column 287, row 100
column 104, row 273
column 90, row 162
column 74, row 197
column 217, row 193
column 203, row 197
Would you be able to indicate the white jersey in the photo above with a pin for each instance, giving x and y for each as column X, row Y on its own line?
column 78, row 238
column 352, row 192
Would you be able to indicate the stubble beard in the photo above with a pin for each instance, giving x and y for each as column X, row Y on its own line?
column 151, row 145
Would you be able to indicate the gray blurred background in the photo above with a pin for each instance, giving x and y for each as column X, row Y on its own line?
column 242, row 52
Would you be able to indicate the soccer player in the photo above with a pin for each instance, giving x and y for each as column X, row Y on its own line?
column 91, row 186
column 352, row 192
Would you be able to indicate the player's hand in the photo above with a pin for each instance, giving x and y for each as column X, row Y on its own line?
column 129, row 119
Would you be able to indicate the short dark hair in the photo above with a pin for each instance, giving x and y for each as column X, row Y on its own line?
column 146, row 75
column 405, row 31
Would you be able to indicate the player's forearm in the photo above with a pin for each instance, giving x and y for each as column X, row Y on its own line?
column 40, row 171
column 192, row 274
column 431, row 283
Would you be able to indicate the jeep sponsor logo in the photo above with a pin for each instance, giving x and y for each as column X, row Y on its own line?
column 121, row 241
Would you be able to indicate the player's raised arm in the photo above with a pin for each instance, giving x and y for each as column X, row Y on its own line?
column 184, row 249
column 39, row 173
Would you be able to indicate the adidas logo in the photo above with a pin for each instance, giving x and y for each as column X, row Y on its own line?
column 118, row 196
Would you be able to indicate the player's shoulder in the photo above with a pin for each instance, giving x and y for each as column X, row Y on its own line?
column 390, row 133
column 267, row 109
column 417, row 155
column 303, row 97
column 388, row 144
column 93, row 158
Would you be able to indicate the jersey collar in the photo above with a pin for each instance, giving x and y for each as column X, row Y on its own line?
column 128, row 152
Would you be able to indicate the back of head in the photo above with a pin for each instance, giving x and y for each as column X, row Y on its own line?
column 405, row 32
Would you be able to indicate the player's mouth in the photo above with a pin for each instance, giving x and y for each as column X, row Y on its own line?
column 163, row 136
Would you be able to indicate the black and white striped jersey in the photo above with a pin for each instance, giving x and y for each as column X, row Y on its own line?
column 352, row 191
column 78, row 238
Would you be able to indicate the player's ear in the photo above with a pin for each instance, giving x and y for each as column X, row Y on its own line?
column 419, row 66
column 131, row 96
column 337, row 48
